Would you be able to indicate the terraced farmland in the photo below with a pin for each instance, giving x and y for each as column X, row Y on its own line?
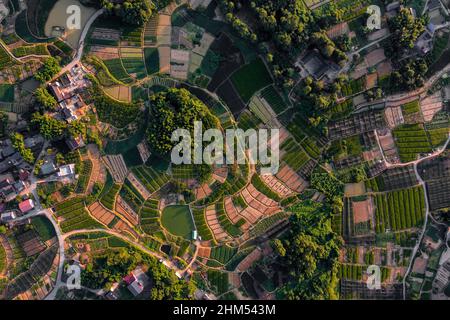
column 150, row 178
column 73, row 215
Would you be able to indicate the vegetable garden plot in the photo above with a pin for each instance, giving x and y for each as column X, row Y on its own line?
column 411, row 107
column 264, row 225
column 219, row 281
column 275, row 100
column 230, row 228
column 74, row 216
column 396, row 178
column 38, row 50
column 222, row 254
column 151, row 60
column 152, row 179
column 132, row 60
column 84, row 176
column 5, row 59
column 33, row 274
column 293, row 155
column 399, row 210
column 150, row 31
column 261, row 109
column 131, row 36
column 3, row 260
column 150, row 216
column 109, row 198
column 117, row 70
column 411, row 140
column 22, row 30
column 131, row 196
column 439, row 193
column 200, row 223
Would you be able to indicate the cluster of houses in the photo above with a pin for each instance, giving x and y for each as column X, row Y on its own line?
column 14, row 180
column 69, row 90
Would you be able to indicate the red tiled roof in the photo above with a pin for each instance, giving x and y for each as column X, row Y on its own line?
column 26, row 205
column 129, row 279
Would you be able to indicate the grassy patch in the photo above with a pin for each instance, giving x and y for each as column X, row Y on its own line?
column 177, row 220
column 251, row 78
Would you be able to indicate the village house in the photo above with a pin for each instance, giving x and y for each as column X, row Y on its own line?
column 8, row 216
column 136, row 281
column 66, row 171
column 75, row 143
column 26, row 206
column 424, row 43
column 48, row 168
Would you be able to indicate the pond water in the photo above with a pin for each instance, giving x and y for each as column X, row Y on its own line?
column 58, row 18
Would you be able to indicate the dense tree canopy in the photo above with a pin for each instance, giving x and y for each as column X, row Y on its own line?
column 50, row 68
column 49, row 127
column 19, row 144
column 175, row 109
column 45, row 98
column 136, row 12
column 310, row 253
column 410, row 76
column 405, row 30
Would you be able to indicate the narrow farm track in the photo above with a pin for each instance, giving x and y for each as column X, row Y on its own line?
column 8, row 251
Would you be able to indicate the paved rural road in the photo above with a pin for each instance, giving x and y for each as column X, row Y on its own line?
column 80, row 49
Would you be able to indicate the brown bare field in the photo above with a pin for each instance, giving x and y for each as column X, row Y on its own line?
column 276, row 185
column 374, row 57
column 30, row 243
column 354, row 189
column 248, row 261
column 220, row 174
column 202, row 191
column 100, row 213
column 290, row 178
column 394, row 116
column 138, row 185
column 431, row 105
column 384, row 69
column 98, row 173
column 258, row 205
column 387, row 144
column 204, row 252
column 105, row 53
column 371, row 80
column 214, row 225
column 362, row 210
column 124, row 209
column 420, row 265
column 105, row 34
column 122, row 93
column 164, row 59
